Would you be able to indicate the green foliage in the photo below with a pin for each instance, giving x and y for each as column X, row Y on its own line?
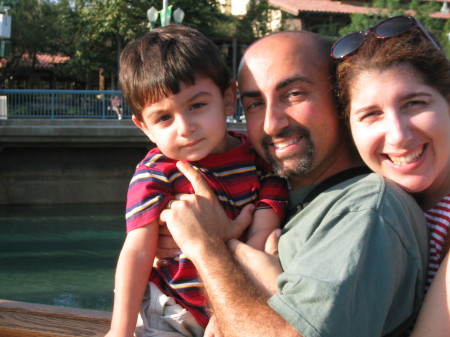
column 420, row 9
column 255, row 23
column 93, row 32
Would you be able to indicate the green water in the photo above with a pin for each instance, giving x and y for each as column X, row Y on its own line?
column 60, row 255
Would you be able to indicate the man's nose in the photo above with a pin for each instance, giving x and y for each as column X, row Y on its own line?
column 275, row 119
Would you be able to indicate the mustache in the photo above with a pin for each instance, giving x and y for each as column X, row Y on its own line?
column 289, row 131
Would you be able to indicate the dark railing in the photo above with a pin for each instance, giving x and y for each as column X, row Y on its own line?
column 23, row 103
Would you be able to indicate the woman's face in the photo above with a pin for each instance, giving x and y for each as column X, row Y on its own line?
column 401, row 127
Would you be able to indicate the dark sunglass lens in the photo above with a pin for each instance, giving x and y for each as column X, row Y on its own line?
column 347, row 45
column 393, row 27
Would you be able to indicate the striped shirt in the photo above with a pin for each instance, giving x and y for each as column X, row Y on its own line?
column 438, row 219
column 238, row 177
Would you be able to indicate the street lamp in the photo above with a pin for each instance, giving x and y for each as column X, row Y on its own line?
column 178, row 15
column 152, row 15
column 165, row 14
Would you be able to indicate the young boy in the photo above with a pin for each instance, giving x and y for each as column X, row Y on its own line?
column 180, row 91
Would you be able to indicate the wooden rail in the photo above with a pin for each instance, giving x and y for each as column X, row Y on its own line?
column 19, row 319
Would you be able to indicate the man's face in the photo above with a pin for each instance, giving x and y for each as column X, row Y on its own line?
column 291, row 116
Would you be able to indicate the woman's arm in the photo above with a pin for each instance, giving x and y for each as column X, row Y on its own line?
column 434, row 316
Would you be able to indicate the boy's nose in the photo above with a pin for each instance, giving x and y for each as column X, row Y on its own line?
column 185, row 126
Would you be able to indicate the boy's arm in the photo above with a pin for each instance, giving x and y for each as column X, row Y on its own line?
column 132, row 275
column 265, row 221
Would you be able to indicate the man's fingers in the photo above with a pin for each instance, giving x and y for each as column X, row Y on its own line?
column 241, row 250
column 199, row 184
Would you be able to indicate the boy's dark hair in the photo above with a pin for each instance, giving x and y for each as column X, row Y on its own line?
column 153, row 66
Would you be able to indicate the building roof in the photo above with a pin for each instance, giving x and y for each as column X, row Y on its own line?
column 331, row 6
column 334, row 6
column 43, row 61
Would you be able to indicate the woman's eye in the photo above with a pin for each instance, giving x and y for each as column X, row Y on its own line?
column 368, row 116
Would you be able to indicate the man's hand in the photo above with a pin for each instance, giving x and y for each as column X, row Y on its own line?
column 262, row 267
column 196, row 219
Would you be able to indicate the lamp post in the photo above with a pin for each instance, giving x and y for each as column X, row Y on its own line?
column 165, row 14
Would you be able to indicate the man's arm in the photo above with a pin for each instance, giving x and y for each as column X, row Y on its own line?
column 199, row 224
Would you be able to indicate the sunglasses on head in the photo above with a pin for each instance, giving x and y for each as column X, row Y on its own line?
column 391, row 27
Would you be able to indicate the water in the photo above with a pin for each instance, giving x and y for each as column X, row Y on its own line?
column 60, row 255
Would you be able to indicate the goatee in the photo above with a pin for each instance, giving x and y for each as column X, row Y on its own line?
column 302, row 163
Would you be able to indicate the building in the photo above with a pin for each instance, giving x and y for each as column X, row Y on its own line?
column 312, row 14
column 40, row 72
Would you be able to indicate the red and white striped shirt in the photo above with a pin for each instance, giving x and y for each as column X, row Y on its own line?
column 438, row 219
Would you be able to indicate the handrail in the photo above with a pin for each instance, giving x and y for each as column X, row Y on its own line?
column 42, row 103
column 20, row 319
column 57, row 104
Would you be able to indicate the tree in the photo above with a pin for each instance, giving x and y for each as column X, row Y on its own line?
column 421, row 11
column 97, row 30
column 33, row 31
column 256, row 23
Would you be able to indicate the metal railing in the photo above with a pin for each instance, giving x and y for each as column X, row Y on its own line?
column 23, row 103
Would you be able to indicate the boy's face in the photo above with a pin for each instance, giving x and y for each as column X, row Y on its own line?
column 191, row 124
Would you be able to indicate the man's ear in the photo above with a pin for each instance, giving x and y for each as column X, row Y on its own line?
column 230, row 98
column 141, row 125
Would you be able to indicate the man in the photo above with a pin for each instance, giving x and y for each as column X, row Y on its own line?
column 352, row 261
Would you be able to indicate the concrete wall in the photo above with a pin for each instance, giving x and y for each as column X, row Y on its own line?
column 66, row 161
column 69, row 161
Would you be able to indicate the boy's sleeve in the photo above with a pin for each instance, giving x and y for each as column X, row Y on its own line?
column 274, row 192
column 148, row 193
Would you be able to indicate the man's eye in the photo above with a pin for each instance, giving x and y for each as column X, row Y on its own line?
column 252, row 105
column 296, row 94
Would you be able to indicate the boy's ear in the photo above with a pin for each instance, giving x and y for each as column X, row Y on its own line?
column 141, row 125
column 230, row 98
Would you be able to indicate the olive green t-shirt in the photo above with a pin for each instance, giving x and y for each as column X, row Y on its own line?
column 354, row 261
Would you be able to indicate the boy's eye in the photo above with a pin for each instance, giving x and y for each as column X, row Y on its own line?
column 163, row 118
column 414, row 103
column 197, row 106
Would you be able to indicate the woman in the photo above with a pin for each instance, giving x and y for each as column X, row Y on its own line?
column 394, row 84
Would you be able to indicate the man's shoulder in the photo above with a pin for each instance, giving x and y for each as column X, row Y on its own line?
column 367, row 192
